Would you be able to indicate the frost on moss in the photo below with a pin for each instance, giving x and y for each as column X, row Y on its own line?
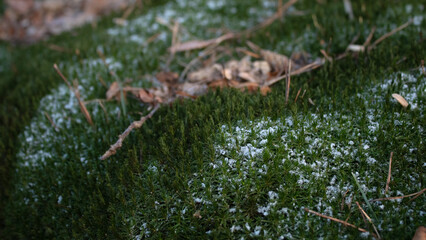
column 267, row 171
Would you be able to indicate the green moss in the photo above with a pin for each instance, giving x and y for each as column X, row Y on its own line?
column 73, row 194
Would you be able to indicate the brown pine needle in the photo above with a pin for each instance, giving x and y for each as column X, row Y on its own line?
column 400, row 197
column 337, row 220
column 389, row 173
column 306, row 68
column 77, row 95
column 51, row 121
column 135, row 125
column 82, row 105
column 287, row 89
column 364, row 214
column 62, row 76
column 370, row 37
column 297, row 95
column 326, row 56
column 342, row 205
column 386, row 35
column 281, row 11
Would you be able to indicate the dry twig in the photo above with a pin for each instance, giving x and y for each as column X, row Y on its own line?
column 389, row 34
column 134, row 125
column 364, row 214
column 417, row 194
column 337, row 220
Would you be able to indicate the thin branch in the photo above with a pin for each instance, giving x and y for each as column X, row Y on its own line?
column 122, row 137
column 337, row 220
column 389, row 173
column 399, row 197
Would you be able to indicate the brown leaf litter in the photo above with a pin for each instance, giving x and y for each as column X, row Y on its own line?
column 32, row 20
column 267, row 68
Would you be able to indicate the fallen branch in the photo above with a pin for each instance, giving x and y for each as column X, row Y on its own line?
column 339, row 221
column 417, row 194
column 135, row 125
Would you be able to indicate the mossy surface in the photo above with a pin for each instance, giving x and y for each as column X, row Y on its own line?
column 247, row 164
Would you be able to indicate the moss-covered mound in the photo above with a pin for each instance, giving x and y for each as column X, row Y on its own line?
column 229, row 164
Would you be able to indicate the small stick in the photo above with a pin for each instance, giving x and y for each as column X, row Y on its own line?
column 370, row 37
column 423, row 67
column 135, row 125
column 287, row 89
column 399, row 197
column 417, row 195
column 306, row 68
column 389, row 173
column 337, row 220
column 363, row 213
column 326, row 56
column 297, row 95
column 386, row 35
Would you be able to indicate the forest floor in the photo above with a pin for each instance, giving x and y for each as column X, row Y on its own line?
column 332, row 142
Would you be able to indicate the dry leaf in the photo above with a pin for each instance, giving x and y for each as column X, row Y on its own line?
column 146, row 96
column 228, row 73
column 207, row 74
column 197, row 214
column 278, row 62
column 193, row 89
column 167, row 78
column 265, row 90
column 20, row 6
column 310, row 101
column 400, row 99
column 250, row 86
column 261, row 67
column 113, row 91
column 245, row 64
column 248, row 76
